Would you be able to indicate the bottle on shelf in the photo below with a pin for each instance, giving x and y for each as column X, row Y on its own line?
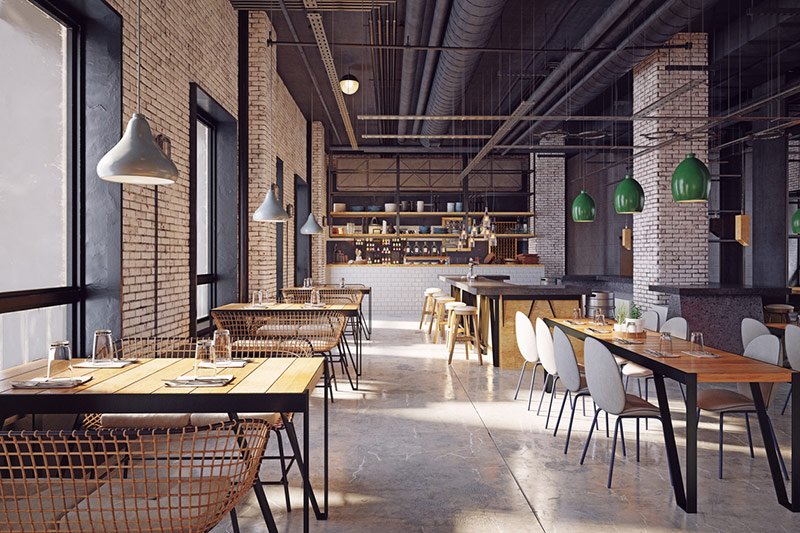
column 425, row 249
column 416, row 248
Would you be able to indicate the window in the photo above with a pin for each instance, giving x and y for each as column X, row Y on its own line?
column 204, row 206
column 38, row 286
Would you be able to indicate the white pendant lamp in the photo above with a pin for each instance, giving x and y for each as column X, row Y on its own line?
column 136, row 158
column 311, row 227
column 270, row 209
column 349, row 84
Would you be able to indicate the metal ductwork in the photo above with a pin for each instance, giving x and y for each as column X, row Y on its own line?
column 664, row 22
column 470, row 25
column 414, row 18
column 440, row 14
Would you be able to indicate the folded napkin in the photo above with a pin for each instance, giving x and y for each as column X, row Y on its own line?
column 656, row 353
column 202, row 381
column 233, row 363
column 52, row 383
column 702, row 355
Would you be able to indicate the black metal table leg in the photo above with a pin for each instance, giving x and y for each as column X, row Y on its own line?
column 325, row 446
column 691, row 443
column 669, row 441
column 770, row 446
column 305, row 463
column 494, row 324
column 795, row 442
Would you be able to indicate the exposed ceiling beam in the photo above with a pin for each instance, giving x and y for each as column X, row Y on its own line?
column 565, row 118
column 421, row 136
column 315, row 19
column 310, row 72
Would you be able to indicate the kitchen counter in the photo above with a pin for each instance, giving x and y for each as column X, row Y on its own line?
column 499, row 301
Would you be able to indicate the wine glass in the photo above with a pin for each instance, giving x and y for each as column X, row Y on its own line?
column 59, row 351
column 697, row 342
column 315, row 298
column 204, row 358
column 103, row 346
column 222, row 347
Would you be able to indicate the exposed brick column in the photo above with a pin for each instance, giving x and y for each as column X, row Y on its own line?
column 319, row 200
column 670, row 239
column 549, row 204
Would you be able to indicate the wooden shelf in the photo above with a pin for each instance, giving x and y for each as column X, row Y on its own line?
column 424, row 236
column 352, row 214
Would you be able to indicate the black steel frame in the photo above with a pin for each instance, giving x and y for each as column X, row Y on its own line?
column 686, row 493
column 30, row 402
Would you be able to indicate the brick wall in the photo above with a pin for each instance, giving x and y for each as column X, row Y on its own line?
column 277, row 130
column 319, row 200
column 180, row 44
column 670, row 239
column 549, row 204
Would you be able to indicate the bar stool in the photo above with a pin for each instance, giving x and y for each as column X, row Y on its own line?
column 438, row 313
column 464, row 327
column 427, row 304
column 777, row 313
column 443, row 316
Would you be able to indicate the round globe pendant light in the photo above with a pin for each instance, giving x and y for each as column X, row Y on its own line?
column 270, row 209
column 691, row 181
column 796, row 222
column 311, row 227
column 349, row 84
column 628, row 196
column 583, row 208
column 136, row 158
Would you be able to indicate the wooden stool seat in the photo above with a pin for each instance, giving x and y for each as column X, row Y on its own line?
column 463, row 326
column 428, row 305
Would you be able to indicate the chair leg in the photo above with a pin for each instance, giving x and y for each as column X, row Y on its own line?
column 433, row 316
column 465, row 322
column 627, row 379
column 541, row 398
column 521, row 374
column 550, row 407
column 451, row 339
column 789, row 397
column 533, row 379
column 477, row 338
column 613, row 452
column 646, row 398
column 264, row 506
column 561, row 411
column 569, row 427
column 424, row 308
column 608, row 435
column 284, row 478
column 683, row 392
column 720, row 444
column 622, row 438
column 637, row 440
column 749, row 434
column 234, row 521
column 589, row 437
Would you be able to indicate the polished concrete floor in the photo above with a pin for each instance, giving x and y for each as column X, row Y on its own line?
column 424, row 446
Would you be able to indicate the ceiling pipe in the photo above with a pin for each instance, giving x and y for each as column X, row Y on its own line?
column 440, row 15
column 610, row 17
column 471, row 24
column 669, row 19
column 413, row 22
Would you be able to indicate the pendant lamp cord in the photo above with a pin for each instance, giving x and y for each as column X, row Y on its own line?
column 139, row 56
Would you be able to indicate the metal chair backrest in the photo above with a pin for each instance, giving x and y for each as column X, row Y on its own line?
column 677, row 327
column 526, row 337
column 752, row 329
column 791, row 341
column 184, row 347
column 603, row 377
column 544, row 347
column 566, row 363
column 651, row 320
column 182, row 479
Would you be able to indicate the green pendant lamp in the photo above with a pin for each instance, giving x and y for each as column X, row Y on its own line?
column 796, row 222
column 628, row 196
column 583, row 208
column 691, row 181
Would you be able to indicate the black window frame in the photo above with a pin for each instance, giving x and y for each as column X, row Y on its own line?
column 203, row 323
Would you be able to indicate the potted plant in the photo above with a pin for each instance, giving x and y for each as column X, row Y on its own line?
column 622, row 314
column 635, row 319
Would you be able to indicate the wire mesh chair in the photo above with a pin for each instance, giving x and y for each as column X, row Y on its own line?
column 111, row 480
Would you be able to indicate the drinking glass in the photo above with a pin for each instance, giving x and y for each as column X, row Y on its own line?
column 103, row 346
column 665, row 343
column 599, row 318
column 204, row 358
column 254, row 298
column 342, row 284
column 315, row 299
column 59, row 358
column 222, row 347
column 577, row 314
column 697, row 342
column 260, row 297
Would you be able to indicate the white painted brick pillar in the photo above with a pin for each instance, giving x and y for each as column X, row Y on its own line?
column 670, row 239
column 548, row 204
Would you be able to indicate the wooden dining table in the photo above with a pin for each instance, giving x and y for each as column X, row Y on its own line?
column 350, row 310
column 281, row 385
column 689, row 370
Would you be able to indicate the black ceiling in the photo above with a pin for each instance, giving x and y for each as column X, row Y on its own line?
column 754, row 50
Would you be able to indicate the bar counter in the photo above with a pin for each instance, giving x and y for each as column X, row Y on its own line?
column 498, row 302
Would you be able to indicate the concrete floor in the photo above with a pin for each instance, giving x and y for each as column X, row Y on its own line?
column 424, row 446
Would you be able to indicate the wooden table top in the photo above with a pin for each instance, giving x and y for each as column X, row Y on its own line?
column 286, row 375
column 727, row 368
column 483, row 286
column 278, row 307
